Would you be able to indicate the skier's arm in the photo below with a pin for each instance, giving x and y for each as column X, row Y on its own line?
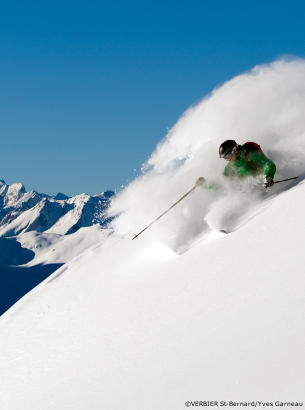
column 268, row 165
column 228, row 171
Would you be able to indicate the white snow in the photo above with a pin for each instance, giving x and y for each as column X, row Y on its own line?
column 132, row 325
column 22, row 211
column 66, row 222
column 55, row 248
column 265, row 106
column 14, row 193
column 184, row 313
column 51, row 248
column 25, row 219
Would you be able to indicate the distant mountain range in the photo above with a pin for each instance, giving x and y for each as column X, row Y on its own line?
column 22, row 211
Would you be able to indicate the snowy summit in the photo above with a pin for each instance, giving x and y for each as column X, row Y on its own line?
column 22, row 211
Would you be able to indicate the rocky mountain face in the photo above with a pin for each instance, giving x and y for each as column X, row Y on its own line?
column 22, row 211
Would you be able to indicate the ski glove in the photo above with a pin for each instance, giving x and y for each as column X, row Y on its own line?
column 268, row 182
column 200, row 181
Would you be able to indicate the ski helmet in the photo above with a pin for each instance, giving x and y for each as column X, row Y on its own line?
column 226, row 147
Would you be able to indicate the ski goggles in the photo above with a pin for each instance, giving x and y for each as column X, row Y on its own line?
column 229, row 154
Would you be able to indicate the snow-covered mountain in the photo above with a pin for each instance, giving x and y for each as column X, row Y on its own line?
column 22, row 211
column 38, row 233
column 184, row 314
column 84, row 211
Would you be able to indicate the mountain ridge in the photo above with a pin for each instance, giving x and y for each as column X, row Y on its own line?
column 22, row 211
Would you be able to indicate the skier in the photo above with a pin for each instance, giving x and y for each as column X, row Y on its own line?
column 247, row 160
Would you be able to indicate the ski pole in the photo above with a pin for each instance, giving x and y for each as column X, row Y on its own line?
column 283, row 180
column 199, row 182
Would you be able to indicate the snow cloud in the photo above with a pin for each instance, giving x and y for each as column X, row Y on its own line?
column 265, row 105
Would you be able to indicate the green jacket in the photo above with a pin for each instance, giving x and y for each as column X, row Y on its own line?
column 258, row 164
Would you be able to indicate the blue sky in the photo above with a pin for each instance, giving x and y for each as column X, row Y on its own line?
column 88, row 88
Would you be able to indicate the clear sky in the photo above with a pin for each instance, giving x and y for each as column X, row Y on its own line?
column 88, row 88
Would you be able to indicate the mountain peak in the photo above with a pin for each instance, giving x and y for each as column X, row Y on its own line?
column 22, row 211
column 61, row 197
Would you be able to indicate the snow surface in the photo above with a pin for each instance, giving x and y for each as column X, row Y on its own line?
column 29, row 258
column 132, row 325
column 184, row 313
column 55, row 248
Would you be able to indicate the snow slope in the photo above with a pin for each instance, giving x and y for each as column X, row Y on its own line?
column 52, row 248
column 29, row 258
column 184, row 313
column 132, row 325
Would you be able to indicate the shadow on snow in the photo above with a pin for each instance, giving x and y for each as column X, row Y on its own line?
column 17, row 281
